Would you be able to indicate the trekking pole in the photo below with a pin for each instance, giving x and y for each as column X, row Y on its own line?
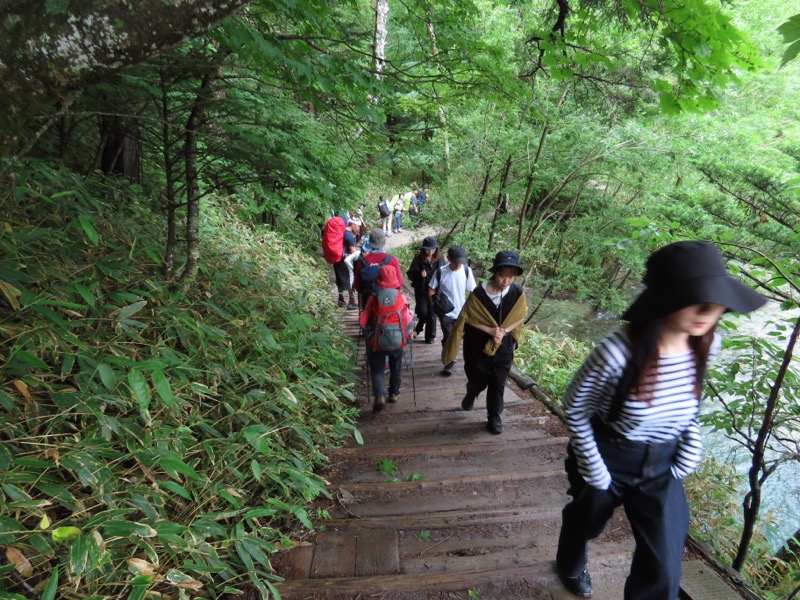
column 413, row 380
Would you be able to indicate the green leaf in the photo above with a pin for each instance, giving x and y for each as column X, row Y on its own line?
column 64, row 534
column 161, row 385
column 131, row 309
column 128, row 529
column 140, row 388
column 171, row 462
column 87, row 225
column 107, row 376
column 175, row 488
column 51, row 588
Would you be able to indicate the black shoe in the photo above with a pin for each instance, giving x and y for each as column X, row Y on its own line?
column 341, row 301
column 448, row 368
column 392, row 398
column 429, row 341
column 352, row 306
column 495, row 425
column 467, row 402
column 580, row 585
column 380, row 402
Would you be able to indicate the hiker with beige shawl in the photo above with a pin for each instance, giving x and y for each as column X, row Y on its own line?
column 491, row 325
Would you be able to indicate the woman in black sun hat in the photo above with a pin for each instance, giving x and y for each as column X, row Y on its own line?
column 631, row 411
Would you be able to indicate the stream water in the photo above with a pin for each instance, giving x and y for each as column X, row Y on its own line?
column 781, row 491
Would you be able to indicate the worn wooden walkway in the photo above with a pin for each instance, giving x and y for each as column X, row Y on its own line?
column 466, row 515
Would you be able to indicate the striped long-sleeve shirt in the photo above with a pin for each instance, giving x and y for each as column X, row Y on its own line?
column 671, row 414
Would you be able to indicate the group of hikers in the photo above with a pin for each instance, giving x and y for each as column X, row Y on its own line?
column 631, row 408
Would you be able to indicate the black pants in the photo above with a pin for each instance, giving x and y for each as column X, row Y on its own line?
column 426, row 318
column 655, row 504
column 377, row 364
column 488, row 373
column 447, row 327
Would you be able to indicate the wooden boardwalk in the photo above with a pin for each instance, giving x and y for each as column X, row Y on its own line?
column 467, row 514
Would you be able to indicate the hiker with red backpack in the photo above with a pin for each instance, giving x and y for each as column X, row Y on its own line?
column 368, row 266
column 389, row 324
column 338, row 242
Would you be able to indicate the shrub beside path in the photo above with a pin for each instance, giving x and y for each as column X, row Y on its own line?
column 433, row 506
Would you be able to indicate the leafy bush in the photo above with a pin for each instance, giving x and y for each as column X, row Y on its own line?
column 551, row 361
column 155, row 440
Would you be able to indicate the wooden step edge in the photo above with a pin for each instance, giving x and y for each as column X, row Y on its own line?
column 428, row 582
column 451, row 519
column 487, row 446
column 429, row 484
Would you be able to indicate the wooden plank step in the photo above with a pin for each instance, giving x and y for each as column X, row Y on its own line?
column 615, row 565
column 490, row 445
column 544, row 491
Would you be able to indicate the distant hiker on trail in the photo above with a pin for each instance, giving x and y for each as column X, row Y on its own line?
column 448, row 291
column 420, row 273
column 389, row 324
column 338, row 242
column 385, row 211
column 368, row 266
column 631, row 410
column 399, row 208
column 491, row 325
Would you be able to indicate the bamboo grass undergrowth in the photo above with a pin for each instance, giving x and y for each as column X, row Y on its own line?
column 156, row 441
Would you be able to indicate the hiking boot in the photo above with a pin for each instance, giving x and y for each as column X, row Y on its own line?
column 448, row 368
column 380, row 402
column 392, row 398
column 352, row 305
column 495, row 425
column 341, row 301
column 467, row 402
column 580, row 585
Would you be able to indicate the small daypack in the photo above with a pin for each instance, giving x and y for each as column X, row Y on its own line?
column 369, row 274
column 392, row 326
column 383, row 208
column 333, row 240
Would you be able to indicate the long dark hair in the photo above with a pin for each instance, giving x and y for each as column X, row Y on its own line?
column 435, row 257
column 639, row 375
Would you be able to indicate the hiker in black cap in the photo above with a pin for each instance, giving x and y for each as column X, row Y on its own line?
column 420, row 273
column 631, row 411
column 491, row 324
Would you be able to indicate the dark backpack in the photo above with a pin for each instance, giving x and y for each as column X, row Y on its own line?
column 368, row 275
column 392, row 325
column 383, row 208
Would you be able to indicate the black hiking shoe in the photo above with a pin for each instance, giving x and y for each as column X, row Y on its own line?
column 580, row 585
column 352, row 305
column 341, row 301
column 495, row 425
column 392, row 398
column 467, row 402
column 448, row 368
column 380, row 402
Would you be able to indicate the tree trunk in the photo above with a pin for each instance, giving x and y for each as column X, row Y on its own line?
column 500, row 194
column 758, row 473
column 440, row 109
column 121, row 148
column 192, row 180
column 169, row 174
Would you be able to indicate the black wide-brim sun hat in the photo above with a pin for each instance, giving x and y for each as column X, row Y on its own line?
column 685, row 273
column 506, row 258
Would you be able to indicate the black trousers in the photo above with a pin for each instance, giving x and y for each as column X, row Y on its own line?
column 488, row 373
column 655, row 504
column 426, row 318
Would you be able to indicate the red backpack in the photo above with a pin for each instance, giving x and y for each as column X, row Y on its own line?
column 392, row 325
column 333, row 240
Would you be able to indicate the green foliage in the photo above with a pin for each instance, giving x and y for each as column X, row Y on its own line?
column 156, row 439
column 551, row 361
column 386, row 466
column 424, row 535
column 790, row 30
